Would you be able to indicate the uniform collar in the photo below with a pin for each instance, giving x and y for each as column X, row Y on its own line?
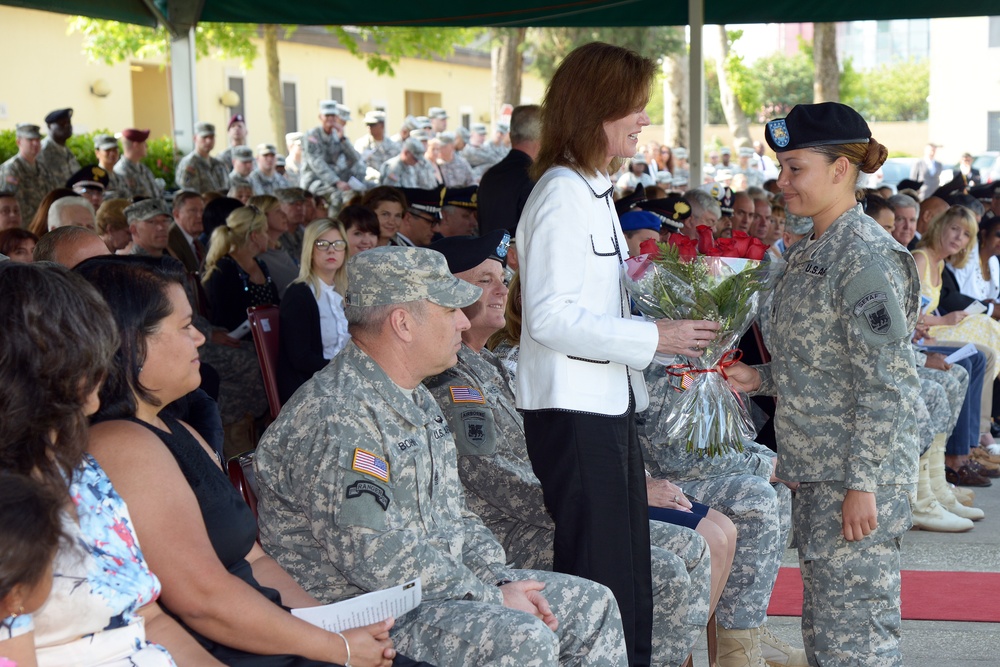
column 392, row 394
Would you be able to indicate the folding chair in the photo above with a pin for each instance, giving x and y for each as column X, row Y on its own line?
column 264, row 326
column 241, row 474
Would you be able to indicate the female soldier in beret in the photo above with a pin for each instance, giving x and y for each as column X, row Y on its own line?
column 843, row 369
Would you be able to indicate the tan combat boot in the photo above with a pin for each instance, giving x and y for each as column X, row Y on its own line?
column 940, row 487
column 927, row 511
column 779, row 653
column 740, row 648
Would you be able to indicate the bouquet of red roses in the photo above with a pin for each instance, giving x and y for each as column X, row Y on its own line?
column 723, row 280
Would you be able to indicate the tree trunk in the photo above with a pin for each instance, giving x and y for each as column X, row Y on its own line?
column 826, row 83
column 735, row 118
column 277, row 107
column 507, row 64
column 676, row 105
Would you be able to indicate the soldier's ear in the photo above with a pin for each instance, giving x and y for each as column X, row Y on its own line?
column 402, row 323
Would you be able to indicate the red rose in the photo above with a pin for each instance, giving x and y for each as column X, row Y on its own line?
column 757, row 250
column 741, row 243
column 727, row 247
column 687, row 247
column 649, row 247
column 706, row 240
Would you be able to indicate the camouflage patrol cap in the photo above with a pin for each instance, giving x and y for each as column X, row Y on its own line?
column 204, row 130
column 28, row 131
column 390, row 275
column 242, row 153
column 146, row 209
column 290, row 195
column 105, row 142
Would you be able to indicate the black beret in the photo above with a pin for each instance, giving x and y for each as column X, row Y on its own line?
column 823, row 124
column 986, row 190
column 58, row 115
column 957, row 184
column 626, row 204
column 462, row 197
column 425, row 201
column 467, row 252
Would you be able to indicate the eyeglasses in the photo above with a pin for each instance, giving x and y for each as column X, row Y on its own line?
column 336, row 246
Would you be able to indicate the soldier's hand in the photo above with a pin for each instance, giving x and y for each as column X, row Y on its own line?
column 859, row 514
column 663, row 493
column 937, row 361
column 526, row 596
column 220, row 337
column 743, row 377
column 370, row 645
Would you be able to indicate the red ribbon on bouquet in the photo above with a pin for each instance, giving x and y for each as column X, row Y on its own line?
column 728, row 359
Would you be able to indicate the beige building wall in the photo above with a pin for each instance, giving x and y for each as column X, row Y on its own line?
column 61, row 76
column 45, row 70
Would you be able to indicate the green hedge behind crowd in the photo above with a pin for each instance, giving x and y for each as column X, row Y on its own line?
column 160, row 156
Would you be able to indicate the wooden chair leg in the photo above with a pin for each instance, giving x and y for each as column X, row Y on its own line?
column 689, row 662
column 713, row 641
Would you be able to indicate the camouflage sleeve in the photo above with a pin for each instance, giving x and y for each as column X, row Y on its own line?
column 186, row 176
column 314, row 153
column 483, row 554
column 879, row 348
column 767, row 386
column 369, row 537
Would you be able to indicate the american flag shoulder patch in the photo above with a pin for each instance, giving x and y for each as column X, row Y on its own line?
column 466, row 395
column 369, row 464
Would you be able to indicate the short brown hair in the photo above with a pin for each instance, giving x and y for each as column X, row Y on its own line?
column 596, row 83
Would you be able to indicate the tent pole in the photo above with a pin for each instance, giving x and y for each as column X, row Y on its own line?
column 696, row 92
column 182, row 89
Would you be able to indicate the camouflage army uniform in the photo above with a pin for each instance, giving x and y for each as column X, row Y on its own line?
column 941, row 396
column 755, row 177
column 398, row 174
column 202, row 174
column 480, row 158
column 117, row 188
column 843, row 371
column 457, row 173
column 327, row 159
column 138, row 179
column 359, row 490
column 736, row 484
column 29, row 182
column 502, row 490
column 60, row 162
column 375, row 153
column 226, row 157
column 262, row 185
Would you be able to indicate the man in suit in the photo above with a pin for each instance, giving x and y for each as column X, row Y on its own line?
column 928, row 171
column 183, row 243
column 505, row 187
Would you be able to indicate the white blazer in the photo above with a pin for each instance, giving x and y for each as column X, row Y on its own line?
column 578, row 341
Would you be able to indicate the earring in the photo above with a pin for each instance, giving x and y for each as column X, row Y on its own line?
column 20, row 610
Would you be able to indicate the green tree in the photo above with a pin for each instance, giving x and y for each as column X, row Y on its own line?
column 894, row 92
column 393, row 43
column 784, row 82
column 548, row 46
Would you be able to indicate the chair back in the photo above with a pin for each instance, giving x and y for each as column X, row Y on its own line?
column 264, row 326
column 241, row 474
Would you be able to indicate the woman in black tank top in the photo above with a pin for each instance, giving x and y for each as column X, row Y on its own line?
column 196, row 532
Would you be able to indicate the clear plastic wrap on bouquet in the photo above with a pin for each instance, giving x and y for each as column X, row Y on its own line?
column 707, row 415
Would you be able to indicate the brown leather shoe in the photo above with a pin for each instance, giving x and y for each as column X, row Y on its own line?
column 983, row 470
column 982, row 454
column 965, row 476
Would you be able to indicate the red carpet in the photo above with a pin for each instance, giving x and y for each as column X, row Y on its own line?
column 927, row 596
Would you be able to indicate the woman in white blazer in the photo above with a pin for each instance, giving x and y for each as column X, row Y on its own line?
column 579, row 379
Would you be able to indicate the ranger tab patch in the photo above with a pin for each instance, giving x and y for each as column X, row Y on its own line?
column 369, row 464
column 361, row 486
column 466, row 395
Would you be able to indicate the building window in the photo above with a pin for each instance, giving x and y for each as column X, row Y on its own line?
column 236, row 85
column 994, row 32
column 466, row 120
column 337, row 93
column 418, row 102
column 291, row 107
column 993, row 130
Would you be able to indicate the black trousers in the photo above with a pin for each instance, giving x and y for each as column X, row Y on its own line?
column 594, row 485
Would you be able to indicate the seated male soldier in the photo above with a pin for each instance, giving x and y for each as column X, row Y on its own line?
column 359, row 488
